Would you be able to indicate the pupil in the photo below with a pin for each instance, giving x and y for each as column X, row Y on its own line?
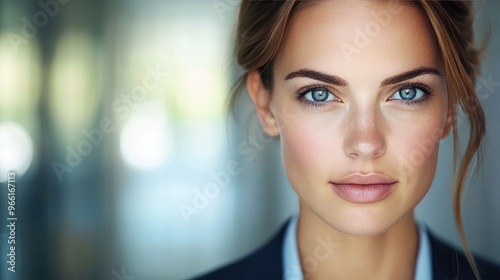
column 408, row 93
column 319, row 95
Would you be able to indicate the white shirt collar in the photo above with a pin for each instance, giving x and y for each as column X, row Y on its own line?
column 292, row 269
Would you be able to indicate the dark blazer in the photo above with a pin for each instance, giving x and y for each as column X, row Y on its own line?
column 266, row 263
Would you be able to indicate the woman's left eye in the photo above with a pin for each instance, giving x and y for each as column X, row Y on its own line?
column 409, row 93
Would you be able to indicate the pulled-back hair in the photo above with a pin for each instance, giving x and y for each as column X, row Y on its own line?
column 261, row 30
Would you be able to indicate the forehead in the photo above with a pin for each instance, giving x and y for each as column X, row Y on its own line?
column 358, row 39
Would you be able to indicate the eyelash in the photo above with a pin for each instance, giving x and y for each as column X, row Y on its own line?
column 302, row 92
column 424, row 88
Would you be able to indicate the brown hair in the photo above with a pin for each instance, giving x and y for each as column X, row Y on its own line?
column 261, row 30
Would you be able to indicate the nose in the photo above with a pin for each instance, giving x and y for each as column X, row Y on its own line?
column 365, row 137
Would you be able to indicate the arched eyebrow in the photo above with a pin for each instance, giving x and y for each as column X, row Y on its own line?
column 410, row 74
column 335, row 80
column 315, row 75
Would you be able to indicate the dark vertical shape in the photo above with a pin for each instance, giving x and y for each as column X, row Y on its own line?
column 41, row 202
column 44, row 216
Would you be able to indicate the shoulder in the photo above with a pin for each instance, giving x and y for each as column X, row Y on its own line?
column 450, row 263
column 264, row 263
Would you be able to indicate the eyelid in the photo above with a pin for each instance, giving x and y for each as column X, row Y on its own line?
column 304, row 90
column 425, row 88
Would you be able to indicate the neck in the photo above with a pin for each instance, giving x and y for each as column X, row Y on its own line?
column 326, row 253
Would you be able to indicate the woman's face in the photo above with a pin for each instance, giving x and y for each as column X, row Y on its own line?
column 360, row 104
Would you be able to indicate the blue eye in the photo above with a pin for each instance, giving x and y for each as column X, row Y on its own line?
column 318, row 95
column 410, row 93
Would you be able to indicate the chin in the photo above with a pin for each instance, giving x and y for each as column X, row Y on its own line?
column 362, row 228
column 363, row 220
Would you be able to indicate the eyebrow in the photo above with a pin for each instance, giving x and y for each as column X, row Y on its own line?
column 315, row 75
column 335, row 80
column 410, row 74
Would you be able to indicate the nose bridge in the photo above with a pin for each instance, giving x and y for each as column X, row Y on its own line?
column 365, row 135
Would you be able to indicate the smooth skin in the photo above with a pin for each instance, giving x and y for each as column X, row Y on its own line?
column 339, row 114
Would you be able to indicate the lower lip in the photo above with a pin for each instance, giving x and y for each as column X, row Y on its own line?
column 363, row 193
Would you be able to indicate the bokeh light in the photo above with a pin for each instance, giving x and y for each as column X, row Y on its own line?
column 73, row 86
column 16, row 148
column 145, row 140
column 19, row 79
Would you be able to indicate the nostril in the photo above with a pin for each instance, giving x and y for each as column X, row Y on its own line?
column 365, row 148
column 353, row 155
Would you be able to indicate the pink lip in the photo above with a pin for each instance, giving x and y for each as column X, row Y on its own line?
column 360, row 188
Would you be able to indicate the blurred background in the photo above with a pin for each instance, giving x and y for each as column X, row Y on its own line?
column 113, row 117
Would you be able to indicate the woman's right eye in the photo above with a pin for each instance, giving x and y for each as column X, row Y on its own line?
column 317, row 95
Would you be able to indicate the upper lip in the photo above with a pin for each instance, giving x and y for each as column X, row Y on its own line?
column 365, row 179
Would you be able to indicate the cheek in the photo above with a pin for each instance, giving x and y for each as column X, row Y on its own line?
column 414, row 149
column 300, row 146
column 310, row 150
